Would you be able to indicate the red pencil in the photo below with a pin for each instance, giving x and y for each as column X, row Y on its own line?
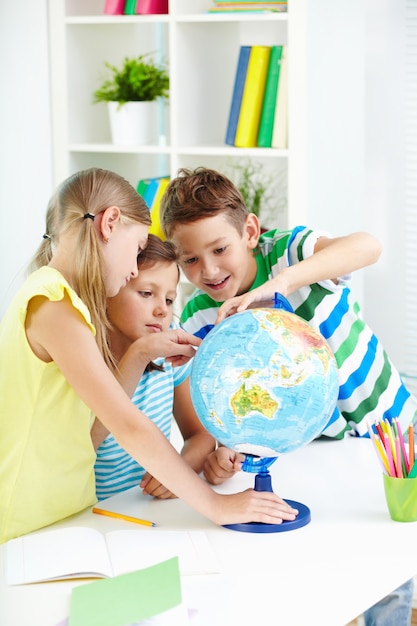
column 380, row 432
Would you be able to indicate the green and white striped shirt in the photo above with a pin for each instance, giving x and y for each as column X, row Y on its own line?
column 370, row 387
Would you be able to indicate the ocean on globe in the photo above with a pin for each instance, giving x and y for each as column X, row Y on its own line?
column 264, row 382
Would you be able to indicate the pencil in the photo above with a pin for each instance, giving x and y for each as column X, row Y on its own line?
column 389, row 431
column 380, row 432
column 398, row 457
column 404, row 457
column 411, row 446
column 127, row 518
column 392, row 470
column 379, row 449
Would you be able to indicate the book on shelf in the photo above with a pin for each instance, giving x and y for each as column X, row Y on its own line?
column 237, row 93
column 83, row 552
column 151, row 7
column 252, row 98
column 221, row 2
column 253, row 6
column 142, row 186
column 266, row 123
column 151, row 190
column 152, row 594
column 155, row 227
column 114, row 7
column 280, row 129
column 130, row 7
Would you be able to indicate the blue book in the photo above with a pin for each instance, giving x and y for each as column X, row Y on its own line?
column 150, row 192
column 242, row 66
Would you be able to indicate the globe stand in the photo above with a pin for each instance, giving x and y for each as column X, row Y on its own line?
column 263, row 482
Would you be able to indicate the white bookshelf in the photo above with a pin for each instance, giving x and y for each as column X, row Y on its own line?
column 202, row 51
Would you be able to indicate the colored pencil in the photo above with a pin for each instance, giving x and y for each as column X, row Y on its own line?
column 413, row 471
column 388, row 439
column 404, row 457
column 127, row 518
column 380, row 432
column 399, row 465
column 388, row 450
column 390, row 434
column 411, row 445
column 380, row 450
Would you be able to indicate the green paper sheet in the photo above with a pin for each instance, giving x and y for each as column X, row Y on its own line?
column 127, row 598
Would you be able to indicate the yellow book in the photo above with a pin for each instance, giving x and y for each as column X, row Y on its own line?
column 280, row 129
column 155, row 227
column 253, row 96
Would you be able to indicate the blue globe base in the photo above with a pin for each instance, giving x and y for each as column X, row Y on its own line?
column 263, row 483
column 302, row 519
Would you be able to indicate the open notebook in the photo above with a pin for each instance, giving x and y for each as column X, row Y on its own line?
column 82, row 552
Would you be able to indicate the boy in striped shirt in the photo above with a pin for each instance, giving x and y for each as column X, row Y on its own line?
column 233, row 266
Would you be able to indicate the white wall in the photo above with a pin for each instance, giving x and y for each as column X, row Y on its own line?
column 25, row 137
column 385, row 115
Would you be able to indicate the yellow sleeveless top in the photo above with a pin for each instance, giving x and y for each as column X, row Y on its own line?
column 46, row 455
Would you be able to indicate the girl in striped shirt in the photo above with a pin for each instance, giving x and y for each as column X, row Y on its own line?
column 144, row 309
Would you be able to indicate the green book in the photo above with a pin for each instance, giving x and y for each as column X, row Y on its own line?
column 266, row 123
column 130, row 7
column 142, row 186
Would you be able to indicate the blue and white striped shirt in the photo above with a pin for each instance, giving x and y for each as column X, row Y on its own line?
column 115, row 469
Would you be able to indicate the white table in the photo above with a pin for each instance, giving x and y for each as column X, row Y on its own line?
column 347, row 558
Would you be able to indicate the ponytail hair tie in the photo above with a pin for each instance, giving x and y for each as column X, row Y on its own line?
column 46, row 236
column 89, row 215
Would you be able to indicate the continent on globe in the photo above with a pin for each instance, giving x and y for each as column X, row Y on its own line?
column 246, row 401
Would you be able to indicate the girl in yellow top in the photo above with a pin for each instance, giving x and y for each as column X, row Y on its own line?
column 57, row 372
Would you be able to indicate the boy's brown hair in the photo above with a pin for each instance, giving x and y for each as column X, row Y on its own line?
column 200, row 193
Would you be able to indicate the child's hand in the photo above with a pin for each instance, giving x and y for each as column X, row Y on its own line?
column 222, row 464
column 261, row 296
column 152, row 487
column 252, row 506
column 176, row 346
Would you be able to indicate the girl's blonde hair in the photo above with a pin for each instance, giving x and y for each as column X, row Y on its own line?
column 44, row 252
column 79, row 198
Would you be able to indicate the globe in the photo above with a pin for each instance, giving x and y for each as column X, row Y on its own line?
column 264, row 382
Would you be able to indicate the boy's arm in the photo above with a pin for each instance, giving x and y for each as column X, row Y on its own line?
column 222, row 464
column 331, row 259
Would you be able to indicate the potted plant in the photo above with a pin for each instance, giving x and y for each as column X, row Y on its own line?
column 132, row 93
column 262, row 190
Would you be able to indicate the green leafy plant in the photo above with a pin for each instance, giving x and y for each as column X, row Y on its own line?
column 139, row 78
column 253, row 183
column 263, row 190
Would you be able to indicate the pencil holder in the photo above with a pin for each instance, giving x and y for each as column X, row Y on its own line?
column 401, row 497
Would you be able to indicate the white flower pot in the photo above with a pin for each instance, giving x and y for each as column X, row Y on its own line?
column 133, row 122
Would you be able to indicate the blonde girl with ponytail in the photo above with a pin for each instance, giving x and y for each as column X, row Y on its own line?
column 57, row 372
